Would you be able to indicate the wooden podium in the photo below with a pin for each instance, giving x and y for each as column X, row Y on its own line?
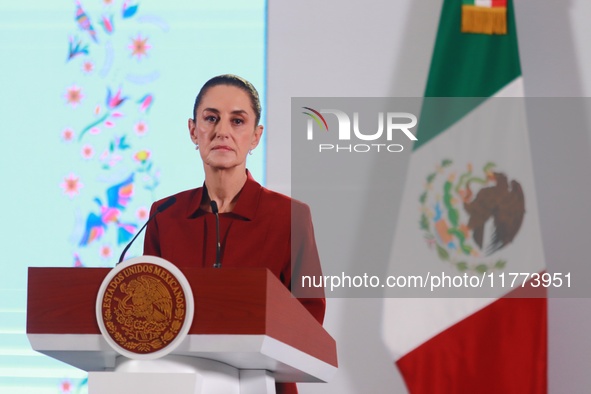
column 247, row 332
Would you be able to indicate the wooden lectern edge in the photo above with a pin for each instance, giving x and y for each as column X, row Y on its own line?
column 91, row 352
column 299, row 360
column 279, row 323
column 276, row 356
column 83, row 283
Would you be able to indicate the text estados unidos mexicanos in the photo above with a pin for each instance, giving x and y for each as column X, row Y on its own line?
column 441, row 280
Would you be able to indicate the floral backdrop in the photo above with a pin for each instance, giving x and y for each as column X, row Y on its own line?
column 95, row 98
column 110, row 96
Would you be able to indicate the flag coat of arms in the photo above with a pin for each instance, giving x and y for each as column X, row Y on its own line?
column 469, row 207
column 484, row 16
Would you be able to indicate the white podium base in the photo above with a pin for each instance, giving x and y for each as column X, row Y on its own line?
column 143, row 382
column 179, row 375
column 255, row 381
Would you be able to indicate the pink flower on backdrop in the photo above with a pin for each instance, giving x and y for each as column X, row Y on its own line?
column 65, row 387
column 74, row 95
column 107, row 23
column 77, row 261
column 142, row 213
column 68, row 135
column 114, row 101
column 95, row 131
column 88, row 67
column 87, row 152
column 71, row 185
column 139, row 47
column 141, row 128
column 146, row 102
column 106, row 251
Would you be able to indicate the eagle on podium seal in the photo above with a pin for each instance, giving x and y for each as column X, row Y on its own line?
column 145, row 307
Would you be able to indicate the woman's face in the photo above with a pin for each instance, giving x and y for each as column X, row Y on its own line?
column 224, row 127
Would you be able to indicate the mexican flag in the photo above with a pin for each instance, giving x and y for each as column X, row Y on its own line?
column 469, row 207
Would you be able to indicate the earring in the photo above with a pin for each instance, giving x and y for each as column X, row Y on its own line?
column 250, row 152
column 196, row 146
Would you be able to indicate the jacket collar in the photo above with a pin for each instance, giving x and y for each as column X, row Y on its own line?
column 246, row 206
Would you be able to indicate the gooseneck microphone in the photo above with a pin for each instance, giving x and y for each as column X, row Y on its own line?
column 165, row 205
column 218, row 249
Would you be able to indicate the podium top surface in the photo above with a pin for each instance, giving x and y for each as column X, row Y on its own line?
column 228, row 301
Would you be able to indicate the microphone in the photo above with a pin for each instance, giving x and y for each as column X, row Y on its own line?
column 165, row 205
column 214, row 209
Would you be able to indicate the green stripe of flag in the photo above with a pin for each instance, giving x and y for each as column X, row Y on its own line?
column 465, row 65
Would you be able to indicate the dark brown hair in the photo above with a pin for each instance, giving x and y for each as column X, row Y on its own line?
column 231, row 80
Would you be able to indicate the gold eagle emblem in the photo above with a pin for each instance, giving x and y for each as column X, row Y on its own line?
column 146, row 298
column 143, row 308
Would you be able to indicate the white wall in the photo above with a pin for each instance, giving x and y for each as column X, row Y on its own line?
column 383, row 48
column 556, row 58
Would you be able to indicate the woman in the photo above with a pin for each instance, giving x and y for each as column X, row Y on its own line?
column 255, row 224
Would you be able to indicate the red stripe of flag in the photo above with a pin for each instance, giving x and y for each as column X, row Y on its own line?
column 499, row 3
column 500, row 349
